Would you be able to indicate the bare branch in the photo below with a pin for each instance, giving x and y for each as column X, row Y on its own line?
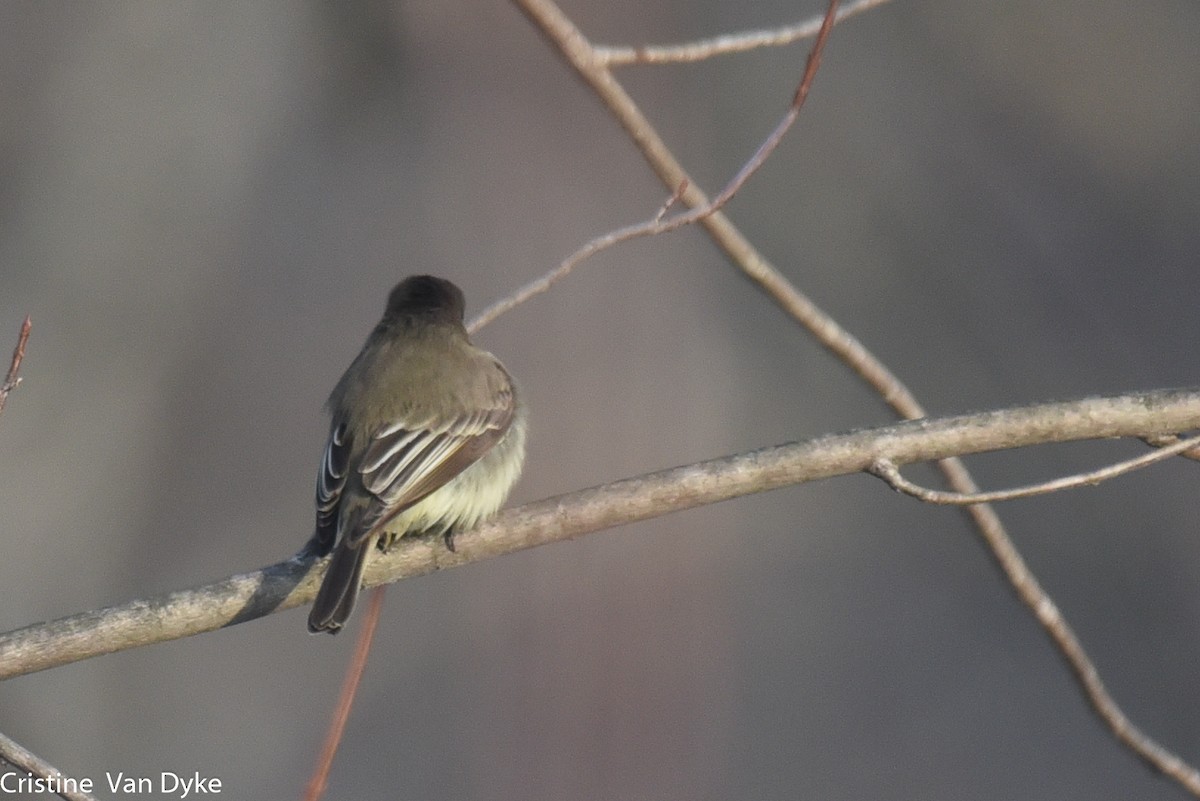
column 583, row 58
column 657, row 224
column 890, row 473
column 55, row 782
column 1163, row 440
column 580, row 55
column 341, row 712
column 671, row 201
column 721, row 45
column 12, row 380
column 247, row 596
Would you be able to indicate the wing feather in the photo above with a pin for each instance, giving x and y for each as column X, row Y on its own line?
column 331, row 481
column 406, row 462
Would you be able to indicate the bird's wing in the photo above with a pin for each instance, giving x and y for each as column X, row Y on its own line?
column 409, row 459
column 331, row 480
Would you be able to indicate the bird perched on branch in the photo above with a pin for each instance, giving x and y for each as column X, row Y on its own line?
column 427, row 437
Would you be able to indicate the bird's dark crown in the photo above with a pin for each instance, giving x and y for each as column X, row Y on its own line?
column 426, row 296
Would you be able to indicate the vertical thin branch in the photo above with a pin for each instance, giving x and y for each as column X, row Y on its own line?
column 12, row 380
column 341, row 713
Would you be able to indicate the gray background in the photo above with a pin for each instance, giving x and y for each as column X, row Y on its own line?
column 203, row 207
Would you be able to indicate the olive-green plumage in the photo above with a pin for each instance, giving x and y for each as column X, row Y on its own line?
column 427, row 437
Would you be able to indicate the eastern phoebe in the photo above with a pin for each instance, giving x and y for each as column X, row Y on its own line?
column 427, row 437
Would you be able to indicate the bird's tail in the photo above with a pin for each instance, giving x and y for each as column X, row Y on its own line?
column 339, row 589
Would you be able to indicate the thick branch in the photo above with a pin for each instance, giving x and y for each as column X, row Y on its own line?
column 282, row 586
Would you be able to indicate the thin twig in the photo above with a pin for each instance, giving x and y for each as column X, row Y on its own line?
column 671, row 201
column 1163, row 440
column 237, row 599
column 536, row 287
column 698, row 211
column 53, row 781
column 341, row 713
column 12, row 380
column 582, row 57
column 721, row 45
column 889, row 472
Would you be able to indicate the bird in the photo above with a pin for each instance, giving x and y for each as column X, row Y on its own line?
column 426, row 437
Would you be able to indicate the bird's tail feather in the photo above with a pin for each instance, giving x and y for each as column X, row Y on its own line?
column 339, row 589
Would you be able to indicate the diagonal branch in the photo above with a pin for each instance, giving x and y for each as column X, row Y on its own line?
column 51, row 780
column 592, row 67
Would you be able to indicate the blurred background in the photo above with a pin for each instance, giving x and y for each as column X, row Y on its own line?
column 204, row 206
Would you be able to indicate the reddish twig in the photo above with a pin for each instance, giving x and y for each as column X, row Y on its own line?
column 12, row 380
column 811, row 65
column 341, row 713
